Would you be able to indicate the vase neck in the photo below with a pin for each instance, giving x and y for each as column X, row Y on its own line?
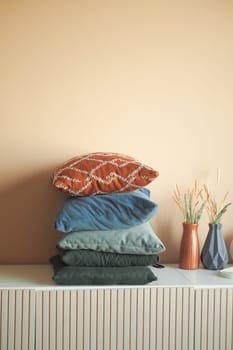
column 185, row 224
column 215, row 225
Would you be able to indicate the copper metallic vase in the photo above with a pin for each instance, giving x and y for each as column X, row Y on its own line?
column 189, row 248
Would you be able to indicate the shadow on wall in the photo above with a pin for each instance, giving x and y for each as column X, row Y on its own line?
column 28, row 210
column 168, row 234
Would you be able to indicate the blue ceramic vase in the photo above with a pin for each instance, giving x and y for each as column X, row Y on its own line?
column 214, row 254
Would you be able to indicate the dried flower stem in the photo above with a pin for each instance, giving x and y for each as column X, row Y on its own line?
column 191, row 203
column 214, row 211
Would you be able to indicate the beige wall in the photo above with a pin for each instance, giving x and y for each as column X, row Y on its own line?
column 152, row 79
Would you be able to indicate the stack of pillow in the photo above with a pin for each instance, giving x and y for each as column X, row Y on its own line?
column 108, row 238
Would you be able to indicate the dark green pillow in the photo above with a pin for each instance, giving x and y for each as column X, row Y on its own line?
column 73, row 275
column 94, row 258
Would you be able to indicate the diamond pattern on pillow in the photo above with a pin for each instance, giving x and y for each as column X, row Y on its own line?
column 100, row 173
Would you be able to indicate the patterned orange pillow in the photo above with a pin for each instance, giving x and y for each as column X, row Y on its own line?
column 99, row 173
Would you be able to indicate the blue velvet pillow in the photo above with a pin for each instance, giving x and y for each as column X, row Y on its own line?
column 105, row 212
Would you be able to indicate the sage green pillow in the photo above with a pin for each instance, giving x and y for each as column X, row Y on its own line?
column 93, row 258
column 73, row 275
column 139, row 239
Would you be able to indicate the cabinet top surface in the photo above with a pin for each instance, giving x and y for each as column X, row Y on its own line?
column 40, row 277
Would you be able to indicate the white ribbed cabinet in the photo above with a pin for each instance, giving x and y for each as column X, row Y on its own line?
column 17, row 319
column 103, row 319
column 183, row 310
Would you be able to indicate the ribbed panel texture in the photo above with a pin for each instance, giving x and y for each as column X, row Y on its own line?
column 17, row 319
column 116, row 319
column 213, row 326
